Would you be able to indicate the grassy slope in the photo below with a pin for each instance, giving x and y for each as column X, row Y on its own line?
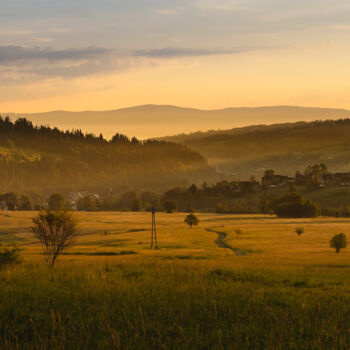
column 289, row 292
column 286, row 148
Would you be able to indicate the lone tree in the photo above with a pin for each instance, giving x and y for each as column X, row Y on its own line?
column 338, row 242
column 299, row 231
column 191, row 220
column 55, row 231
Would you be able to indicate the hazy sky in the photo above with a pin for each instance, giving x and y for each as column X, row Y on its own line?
column 105, row 54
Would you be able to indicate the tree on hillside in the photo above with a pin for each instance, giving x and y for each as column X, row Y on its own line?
column 313, row 175
column 338, row 242
column 56, row 231
column 56, row 202
column 170, row 206
column 191, row 220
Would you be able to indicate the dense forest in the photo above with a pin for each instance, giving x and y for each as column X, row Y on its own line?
column 43, row 160
column 285, row 147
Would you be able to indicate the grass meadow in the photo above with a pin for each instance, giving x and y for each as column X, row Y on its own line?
column 233, row 282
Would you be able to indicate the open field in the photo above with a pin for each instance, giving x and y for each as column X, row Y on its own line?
column 233, row 282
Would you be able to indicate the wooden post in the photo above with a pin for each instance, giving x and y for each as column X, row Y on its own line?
column 154, row 230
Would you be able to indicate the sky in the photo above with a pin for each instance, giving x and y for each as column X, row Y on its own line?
column 107, row 54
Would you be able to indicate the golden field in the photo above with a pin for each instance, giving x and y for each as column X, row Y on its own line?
column 267, row 289
column 257, row 240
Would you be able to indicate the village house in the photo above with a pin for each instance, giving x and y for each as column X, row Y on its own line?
column 271, row 180
column 341, row 179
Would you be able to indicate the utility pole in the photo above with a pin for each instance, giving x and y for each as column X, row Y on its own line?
column 154, row 230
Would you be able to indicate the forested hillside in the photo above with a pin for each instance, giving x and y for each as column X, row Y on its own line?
column 44, row 159
column 284, row 147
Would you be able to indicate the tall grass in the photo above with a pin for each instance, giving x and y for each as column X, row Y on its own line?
column 173, row 305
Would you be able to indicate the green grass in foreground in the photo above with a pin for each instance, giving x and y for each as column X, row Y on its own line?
column 175, row 305
column 265, row 288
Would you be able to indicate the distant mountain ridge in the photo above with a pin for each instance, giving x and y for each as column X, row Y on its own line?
column 153, row 121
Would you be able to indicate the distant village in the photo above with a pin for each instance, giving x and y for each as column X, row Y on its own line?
column 270, row 179
column 315, row 177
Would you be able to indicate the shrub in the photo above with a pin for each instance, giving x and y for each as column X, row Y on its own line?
column 299, row 231
column 338, row 242
column 8, row 256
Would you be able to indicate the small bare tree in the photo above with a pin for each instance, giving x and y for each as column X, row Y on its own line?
column 56, row 231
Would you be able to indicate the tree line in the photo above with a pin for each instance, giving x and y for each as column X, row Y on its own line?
column 41, row 158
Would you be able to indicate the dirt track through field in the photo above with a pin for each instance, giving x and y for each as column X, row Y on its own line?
column 220, row 242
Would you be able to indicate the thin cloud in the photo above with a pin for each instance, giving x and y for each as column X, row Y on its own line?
column 20, row 65
column 171, row 52
column 20, row 53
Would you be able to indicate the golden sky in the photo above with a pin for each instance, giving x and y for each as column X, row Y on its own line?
column 88, row 55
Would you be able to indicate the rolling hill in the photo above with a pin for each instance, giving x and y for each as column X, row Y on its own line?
column 44, row 160
column 242, row 152
column 150, row 121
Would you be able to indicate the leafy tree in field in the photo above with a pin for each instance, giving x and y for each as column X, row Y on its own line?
column 56, row 202
column 191, row 220
column 170, row 206
column 56, row 231
column 338, row 242
column 299, row 231
column 292, row 205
